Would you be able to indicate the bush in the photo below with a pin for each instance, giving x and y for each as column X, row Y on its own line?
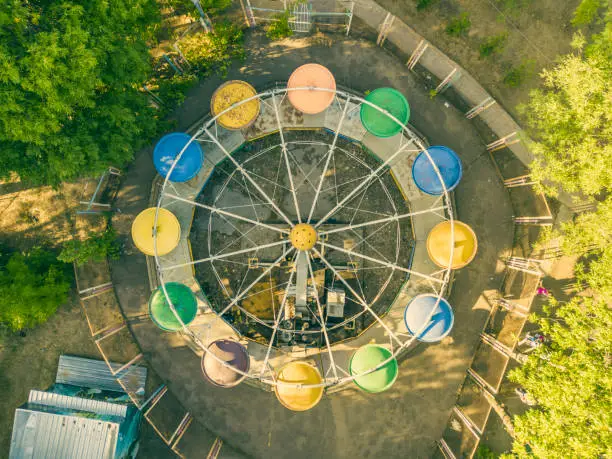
column 97, row 247
column 484, row 452
column 279, row 28
column 209, row 6
column 586, row 12
column 459, row 25
column 493, row 45
column 32, row 286
column 422, row 4
column 213, row 52
column 516, row 76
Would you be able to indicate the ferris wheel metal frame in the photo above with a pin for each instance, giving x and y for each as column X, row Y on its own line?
column 397, row 344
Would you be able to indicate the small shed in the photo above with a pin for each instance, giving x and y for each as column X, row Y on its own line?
column 73, row 420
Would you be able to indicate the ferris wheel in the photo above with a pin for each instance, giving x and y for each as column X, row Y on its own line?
column 304, row 236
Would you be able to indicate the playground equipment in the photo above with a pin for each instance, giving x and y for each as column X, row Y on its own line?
column 305, row 258
column 418, row 316
column 447, row 163
column 233, row 354
column 300, row 386
column 394, row 115
column 229, row 94
column 183, row 301
column 311, row 101
column 156, row 232
column 167, row 150
column 452, row 240
column 369, row 357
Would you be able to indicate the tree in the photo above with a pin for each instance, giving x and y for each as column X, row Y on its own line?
column 97, row 247
column 587, row 11
column 571, row 121
column 32, row 286
column 279, row 28
column 571, row 381
column 71, row 70
column 213, row 52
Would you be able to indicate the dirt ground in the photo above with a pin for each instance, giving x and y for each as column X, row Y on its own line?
column 43, row 215
column 30, row 361
column 537, row 32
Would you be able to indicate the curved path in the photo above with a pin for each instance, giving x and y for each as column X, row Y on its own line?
column 408, row 419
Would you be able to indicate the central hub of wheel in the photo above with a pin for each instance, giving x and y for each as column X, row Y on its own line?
column 303, row 236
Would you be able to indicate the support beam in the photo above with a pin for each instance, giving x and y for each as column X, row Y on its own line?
column 286, row 156
column 446, row 82
column 350, row 16
column 521, row 180
column 360, row 300
column 382, row 220
column 330, row 153
column 416, row 54
column 224, row 255
column 481, row 107
column 323, row 325
column 504, row 142
column 534, row 221
column 247, row 176
column 259, row 278
column 364, row 183
column 384, row 29
column 380, row 262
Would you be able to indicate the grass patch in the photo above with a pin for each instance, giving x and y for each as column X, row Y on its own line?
column 516, row 76
column 459, row 25
column 279, row 28
column 423, row 4
column 493, row 45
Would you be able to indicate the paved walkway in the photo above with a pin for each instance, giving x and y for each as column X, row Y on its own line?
column 408, row 419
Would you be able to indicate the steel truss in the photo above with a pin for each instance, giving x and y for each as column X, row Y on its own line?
column 274, row 97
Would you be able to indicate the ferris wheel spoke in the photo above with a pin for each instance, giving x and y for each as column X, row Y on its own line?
column 247, row 176
column 224, row 255
column 286, row 156
column 359, row 187
column 304, row 174
column 277, row 321
column 359, row 299
column 312, row 170
column 228, row 214
column 381, row 220
column 243, row 235
column 380, row 262
column 365, row 241
column 322, row 321
column 265, row 272
column 348, row 182
column 329, row 155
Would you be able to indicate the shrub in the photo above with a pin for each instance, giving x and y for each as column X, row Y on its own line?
column 279, row 28
column 586, row 12
column 422, row 4
column 214, row 52
column 493, row 45
column 459, row 25
column 97, row 247
column 516, row 76
column 32, row 286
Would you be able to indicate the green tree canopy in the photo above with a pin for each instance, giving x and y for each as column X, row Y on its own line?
column 32, row 286
column 571, row 121
column 69, row 78
column 571, row 382
column 97, row 247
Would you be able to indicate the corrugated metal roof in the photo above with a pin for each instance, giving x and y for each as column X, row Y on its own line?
column 77, row 403
column 54, row 436
column 95, row 374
